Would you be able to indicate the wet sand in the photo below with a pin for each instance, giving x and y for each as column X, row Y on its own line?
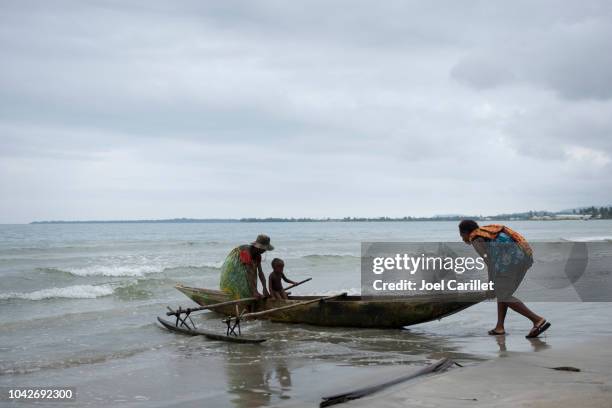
column 79, row 303
column 514, row 379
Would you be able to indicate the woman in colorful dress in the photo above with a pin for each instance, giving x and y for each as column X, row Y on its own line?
column 508, row 256
column 241, row 268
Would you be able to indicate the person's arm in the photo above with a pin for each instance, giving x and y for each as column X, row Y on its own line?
column 270, row 286
column 288, row 280
column 262, row 278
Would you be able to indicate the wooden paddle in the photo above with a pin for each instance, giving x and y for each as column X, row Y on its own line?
column 228, row 303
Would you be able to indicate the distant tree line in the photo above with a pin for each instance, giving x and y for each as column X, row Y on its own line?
column 594, row 212
column 514, row 216
column 277, row 219
column 601, row 212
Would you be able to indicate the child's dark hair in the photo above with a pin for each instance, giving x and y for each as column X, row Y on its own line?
column 467, row 226
column 276, row 261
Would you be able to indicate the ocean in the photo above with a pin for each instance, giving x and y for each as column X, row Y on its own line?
column 78, row 304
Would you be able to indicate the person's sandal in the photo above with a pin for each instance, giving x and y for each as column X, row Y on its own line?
column 539, row 329
column 496, row 333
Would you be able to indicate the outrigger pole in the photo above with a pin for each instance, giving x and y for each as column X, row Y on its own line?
column 245, row 316
column 233, row 322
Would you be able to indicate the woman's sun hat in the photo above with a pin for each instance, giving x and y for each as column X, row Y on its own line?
column 263, row 242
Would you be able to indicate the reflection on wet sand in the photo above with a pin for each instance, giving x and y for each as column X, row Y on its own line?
column 255, row 380
column 537, row 344
column 259, row 375
column 501, row 342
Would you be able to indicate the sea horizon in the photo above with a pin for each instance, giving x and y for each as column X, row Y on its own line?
column 594, row 212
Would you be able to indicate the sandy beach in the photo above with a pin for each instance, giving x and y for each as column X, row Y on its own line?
column 79, row 303
column 523, row 379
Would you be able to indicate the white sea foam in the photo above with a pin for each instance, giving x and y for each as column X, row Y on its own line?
column 306, row 254
column 119, row 270
column 131, row 270
column 69, row 292
column 331, row 255
column 592, row 239
column 214, row 265
column 349, row 291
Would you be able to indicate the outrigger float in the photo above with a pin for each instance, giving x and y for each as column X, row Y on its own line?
column 338, row 310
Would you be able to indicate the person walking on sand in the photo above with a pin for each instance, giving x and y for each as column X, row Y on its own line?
column 241, row 268
column 508, row 256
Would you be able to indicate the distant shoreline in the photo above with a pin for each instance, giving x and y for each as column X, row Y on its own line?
column 307, row 220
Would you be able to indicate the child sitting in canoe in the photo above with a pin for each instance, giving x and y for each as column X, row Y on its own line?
column 274, row 280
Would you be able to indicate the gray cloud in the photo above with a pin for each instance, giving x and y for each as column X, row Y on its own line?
column 148, row 109
column 569, row 56
column 482, row 73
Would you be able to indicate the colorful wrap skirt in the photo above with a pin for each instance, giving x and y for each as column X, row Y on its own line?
column 234, row 276
column 508, row 265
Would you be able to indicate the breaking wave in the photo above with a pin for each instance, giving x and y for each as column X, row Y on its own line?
column 116, row 271
column 126, row 270
column 332, row 256
column 599, row 238
column 349, row 291
column 69, row 292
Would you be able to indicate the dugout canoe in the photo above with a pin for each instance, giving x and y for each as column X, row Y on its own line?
column 349, row 311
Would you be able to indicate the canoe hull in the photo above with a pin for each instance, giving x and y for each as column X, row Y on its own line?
column 349, row 311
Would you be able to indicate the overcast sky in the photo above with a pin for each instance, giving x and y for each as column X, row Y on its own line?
column 148, row 109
